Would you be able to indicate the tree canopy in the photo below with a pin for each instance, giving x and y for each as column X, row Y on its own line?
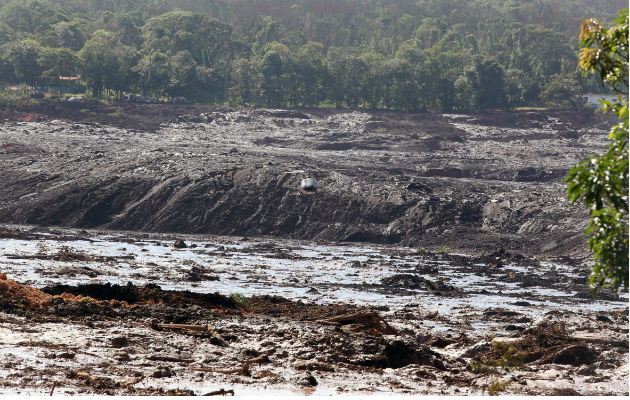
column 450, row 55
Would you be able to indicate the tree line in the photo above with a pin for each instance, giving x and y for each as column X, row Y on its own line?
column 449, row 55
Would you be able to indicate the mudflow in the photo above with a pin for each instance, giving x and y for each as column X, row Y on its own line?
column 160, row 249
column 470, row 182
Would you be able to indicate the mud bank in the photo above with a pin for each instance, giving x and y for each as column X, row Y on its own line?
column 88, row 312
column 470, row 182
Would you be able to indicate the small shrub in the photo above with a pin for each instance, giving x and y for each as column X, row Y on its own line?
column 119, row 113
column 478, row 367
column 444, row 250
column 13, row 96
column 240, row 299
column 496, row 387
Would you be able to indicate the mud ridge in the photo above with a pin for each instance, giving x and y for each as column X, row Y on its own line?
column 468, row 182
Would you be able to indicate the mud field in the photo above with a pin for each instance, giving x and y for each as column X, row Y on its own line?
column 124, row 313
column 470, row 183
column 439, row 255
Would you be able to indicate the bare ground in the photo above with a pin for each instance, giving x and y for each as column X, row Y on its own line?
column 516, row 317
column 417, row 324
column 475, row 183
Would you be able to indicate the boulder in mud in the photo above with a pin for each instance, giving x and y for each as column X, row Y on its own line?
column 576, row 355
column 307, row 380
column 399, row 353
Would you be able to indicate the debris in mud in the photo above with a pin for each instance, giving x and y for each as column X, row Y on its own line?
column 399, row 353
column 220, row 392
column 5, row 233
column 198, row 274
column 119, row 341
column 147, row 294
column 14, row 296
column 267, row 329
column 68, row 255
column 361, row 322
column 307, row 380
column 543, row 344
column 409, row 281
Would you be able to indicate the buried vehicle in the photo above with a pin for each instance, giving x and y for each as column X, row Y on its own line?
column 308, row 185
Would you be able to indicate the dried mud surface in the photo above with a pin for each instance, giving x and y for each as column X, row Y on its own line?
column 473, row 282
column 475, row 183
column 91, row 312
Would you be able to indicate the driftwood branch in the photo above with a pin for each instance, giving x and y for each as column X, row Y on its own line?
column 220, row 392
column 169, row 359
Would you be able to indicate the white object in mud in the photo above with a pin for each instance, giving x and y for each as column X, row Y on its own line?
column 308, row 184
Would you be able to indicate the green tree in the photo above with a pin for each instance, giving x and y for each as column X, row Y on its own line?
column 561, row 88
column 271, row 86
column 23, row 56
column 309, row 59
column 601, row 182
column 153, row 71
column 514, row 88
column 205, row 38
column 106, row 63
column 488, row 85
column 182, row 75
column 242, row 92
column 57, row 62
column 68, row 34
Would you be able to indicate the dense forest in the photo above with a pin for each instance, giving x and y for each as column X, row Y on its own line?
column 449, row 55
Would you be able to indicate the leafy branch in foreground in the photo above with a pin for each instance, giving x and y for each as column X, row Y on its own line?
column 601, row 182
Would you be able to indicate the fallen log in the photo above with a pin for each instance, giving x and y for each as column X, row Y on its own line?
column 220, row 392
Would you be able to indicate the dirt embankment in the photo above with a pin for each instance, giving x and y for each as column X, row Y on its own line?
column 469, row 182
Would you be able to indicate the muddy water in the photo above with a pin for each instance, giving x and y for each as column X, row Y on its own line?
column 320, row 273
column 455, row 305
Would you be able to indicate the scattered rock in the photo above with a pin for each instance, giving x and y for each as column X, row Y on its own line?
column 603, row 318
column 162, row 372
column 119, row 341
column 307, row 380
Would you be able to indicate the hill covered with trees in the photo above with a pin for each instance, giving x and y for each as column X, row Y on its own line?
column 450, row 55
